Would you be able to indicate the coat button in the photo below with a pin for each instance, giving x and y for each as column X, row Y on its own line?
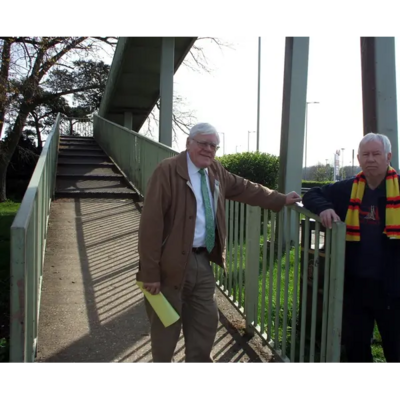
column 191, row 217
column 183, row 253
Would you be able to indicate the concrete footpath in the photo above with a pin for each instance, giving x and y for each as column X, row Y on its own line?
column 91, row 308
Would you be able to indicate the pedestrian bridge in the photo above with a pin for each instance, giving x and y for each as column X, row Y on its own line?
column 74, row 243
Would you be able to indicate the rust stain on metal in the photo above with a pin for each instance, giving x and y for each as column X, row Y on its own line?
column 20, row 313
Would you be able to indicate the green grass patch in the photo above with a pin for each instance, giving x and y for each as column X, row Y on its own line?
column 8, row 211
column 377, row 350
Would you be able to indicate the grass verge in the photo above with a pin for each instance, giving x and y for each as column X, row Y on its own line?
column 8, row 211
column 236, row 274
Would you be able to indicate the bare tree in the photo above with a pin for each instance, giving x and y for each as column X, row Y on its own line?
column 197, row 59
column 183, row 117
column 26, row 63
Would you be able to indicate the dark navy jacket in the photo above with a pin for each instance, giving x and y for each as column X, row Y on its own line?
column 337, row 196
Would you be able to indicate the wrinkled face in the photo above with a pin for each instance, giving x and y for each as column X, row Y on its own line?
column 202, row 149
column 373, row 160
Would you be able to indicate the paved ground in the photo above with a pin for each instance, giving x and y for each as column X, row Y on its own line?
column 91, row 308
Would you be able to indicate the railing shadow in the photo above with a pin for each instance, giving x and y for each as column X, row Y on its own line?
column 116, row 326
column 107, row 235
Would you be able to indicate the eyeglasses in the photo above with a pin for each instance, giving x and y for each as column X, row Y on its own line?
column 204, row 145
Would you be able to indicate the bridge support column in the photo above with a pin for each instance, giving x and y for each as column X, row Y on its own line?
column 128, row 120
column 293, row 116
column 379, row 90
column 166, row 90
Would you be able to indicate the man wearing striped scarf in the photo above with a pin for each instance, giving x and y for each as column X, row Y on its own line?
column 369, row 204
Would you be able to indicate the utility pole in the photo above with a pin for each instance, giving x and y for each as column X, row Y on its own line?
column 248, row 140
column 223, row 142
column 305, row 146
column 343, row 163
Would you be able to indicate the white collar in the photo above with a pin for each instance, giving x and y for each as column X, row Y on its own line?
column 192, row 169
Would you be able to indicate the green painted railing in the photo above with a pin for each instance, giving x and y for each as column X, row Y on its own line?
column 28, row 244
column 136, row 155
column 287, row 287
column 285, row 275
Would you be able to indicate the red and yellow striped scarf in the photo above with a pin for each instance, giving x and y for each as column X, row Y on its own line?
column 392, row 228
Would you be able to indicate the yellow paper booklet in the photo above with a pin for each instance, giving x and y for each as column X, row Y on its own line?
column 161, row 306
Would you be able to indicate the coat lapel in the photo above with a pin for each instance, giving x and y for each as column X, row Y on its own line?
column 182, row 165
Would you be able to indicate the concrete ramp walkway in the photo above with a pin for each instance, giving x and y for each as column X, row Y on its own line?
column 91, row 308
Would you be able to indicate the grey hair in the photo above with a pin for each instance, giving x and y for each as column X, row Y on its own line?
column 203, row 128
column 377, row 137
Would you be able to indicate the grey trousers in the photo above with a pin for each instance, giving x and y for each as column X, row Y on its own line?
column 199, row 315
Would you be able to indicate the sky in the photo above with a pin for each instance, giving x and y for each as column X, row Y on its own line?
column 227, row 97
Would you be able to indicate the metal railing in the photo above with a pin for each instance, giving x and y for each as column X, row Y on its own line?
column 76, row 127
column 288, row 287
column 28, row 244
column 136, row 155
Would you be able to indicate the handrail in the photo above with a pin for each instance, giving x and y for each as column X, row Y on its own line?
column 28, row 244
column 138, row 135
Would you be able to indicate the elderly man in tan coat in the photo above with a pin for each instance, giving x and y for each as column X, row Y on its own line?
column 182, row 229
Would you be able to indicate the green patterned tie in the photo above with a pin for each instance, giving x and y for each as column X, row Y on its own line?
column 210, row 231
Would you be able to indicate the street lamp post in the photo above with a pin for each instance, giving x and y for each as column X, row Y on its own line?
column 223, row 142
column 342, row 163
column 248, row 140
column 305, row 145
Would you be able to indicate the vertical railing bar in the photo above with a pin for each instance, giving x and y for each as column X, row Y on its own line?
column 231, row 233
column 315, row 292
column 271, row 275
column 38, row 258
column 306, row 242
column 30, row 297
column 336, row 293
column 241, row 272
column 330, row 293
column 295, row 289
column 235, row 240
column 278, row 280
column 288, row 215
column 227, row 207
column 328, row 238
column 264, row 269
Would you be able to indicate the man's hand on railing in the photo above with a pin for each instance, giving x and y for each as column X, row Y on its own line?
column 328, row 216
column 153, row 287
column 292, row 198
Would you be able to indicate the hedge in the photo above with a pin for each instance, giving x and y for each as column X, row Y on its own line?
column 311, row 184
column 261, row 168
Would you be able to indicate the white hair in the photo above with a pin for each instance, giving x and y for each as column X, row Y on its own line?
column 203, row 128
column 377, row 137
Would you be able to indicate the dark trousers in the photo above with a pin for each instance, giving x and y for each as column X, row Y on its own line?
column 365, row 302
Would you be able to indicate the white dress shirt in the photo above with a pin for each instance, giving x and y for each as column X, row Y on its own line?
column 195, row 180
